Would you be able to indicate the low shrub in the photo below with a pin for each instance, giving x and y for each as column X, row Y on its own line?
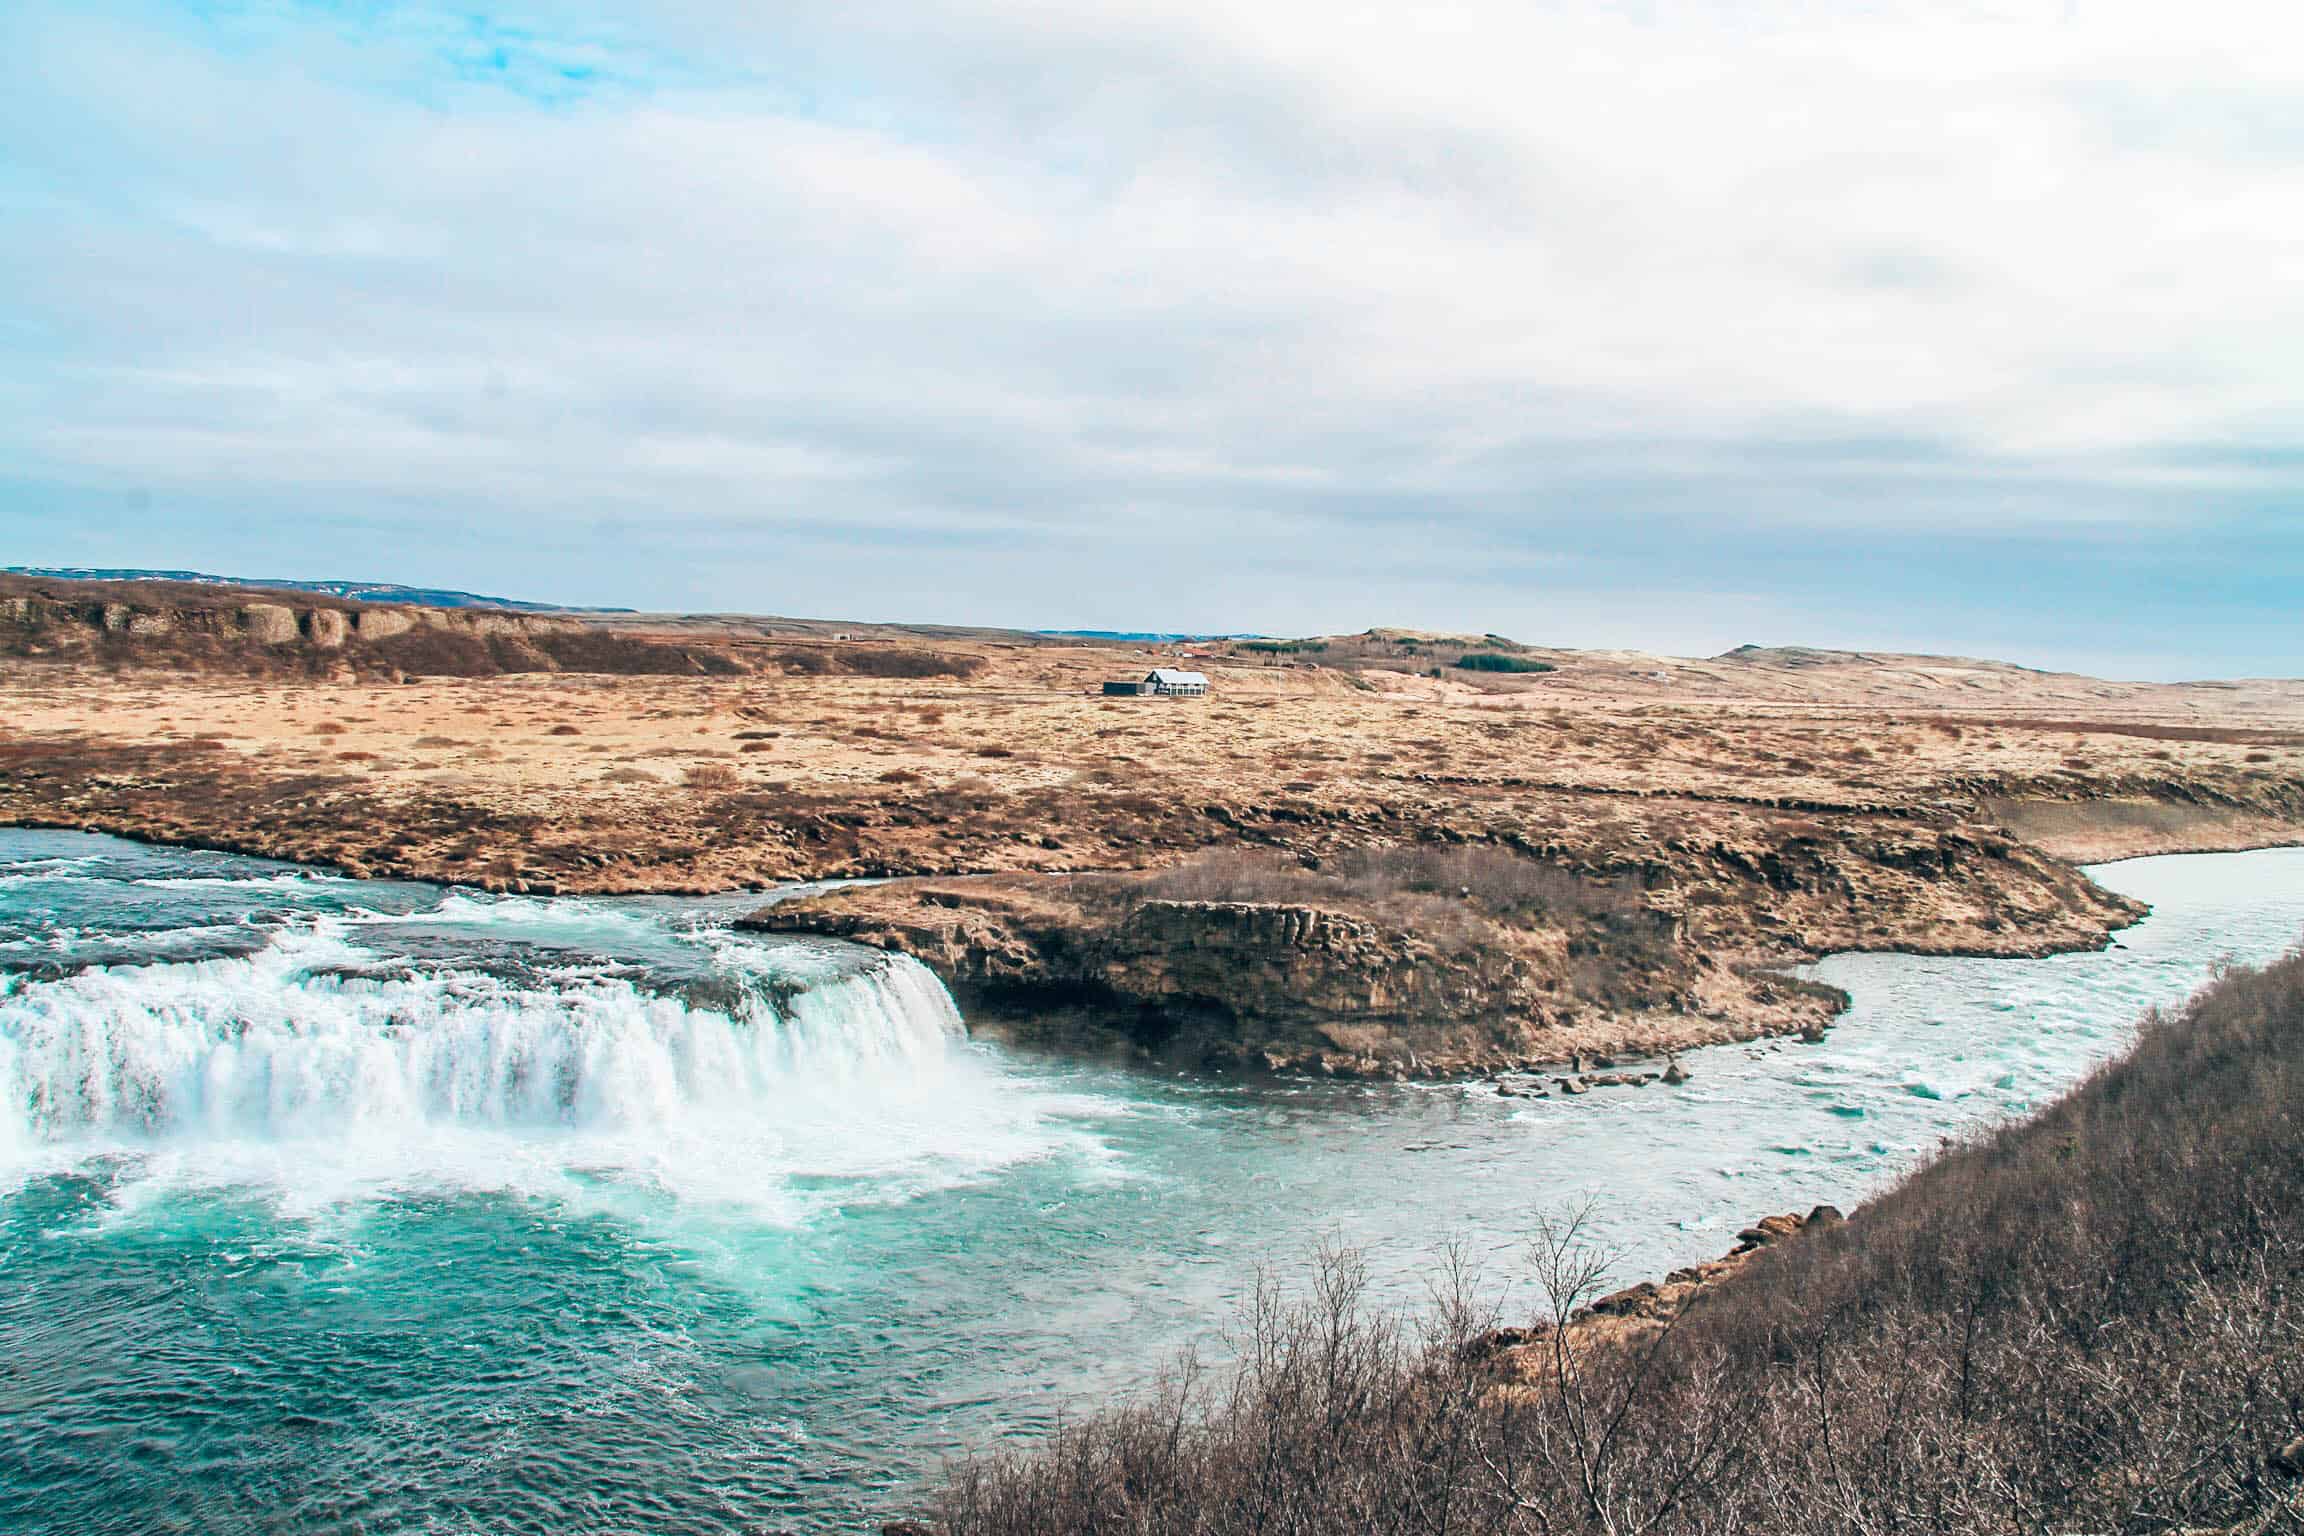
column 2090, row 1322
column 877, row 661
column 591, row 650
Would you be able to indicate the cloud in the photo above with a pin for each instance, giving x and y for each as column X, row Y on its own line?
column 1575, row 286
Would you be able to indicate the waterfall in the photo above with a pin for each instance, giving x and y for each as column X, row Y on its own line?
column 293, row 1043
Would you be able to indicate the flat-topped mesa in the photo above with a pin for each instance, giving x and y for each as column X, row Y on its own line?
column 255, row 628
column 1292, row 985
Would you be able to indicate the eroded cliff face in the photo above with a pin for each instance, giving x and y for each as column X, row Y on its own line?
column 159, row 622
column 172, row 626
column 1336, row 976
column 1213, row 980
column 1281, row 986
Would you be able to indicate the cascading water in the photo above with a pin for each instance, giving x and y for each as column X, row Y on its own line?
column 336, row 1206
column 292, row 1042
column 341, row 1041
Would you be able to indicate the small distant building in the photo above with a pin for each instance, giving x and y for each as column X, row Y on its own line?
column 1172, row 683
column 1164, row 681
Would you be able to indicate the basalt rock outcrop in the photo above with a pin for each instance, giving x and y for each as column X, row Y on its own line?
column 1285, row 985
column 291, row 633
column 1668, row 942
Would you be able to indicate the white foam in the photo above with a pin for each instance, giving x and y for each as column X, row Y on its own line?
column 268, row 1070
column 288, row 881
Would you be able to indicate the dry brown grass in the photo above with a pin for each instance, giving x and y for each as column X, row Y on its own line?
column 2093, row 1322
column 1295, row 753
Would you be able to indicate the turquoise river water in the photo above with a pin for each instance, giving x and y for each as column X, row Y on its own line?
column 339, row 1206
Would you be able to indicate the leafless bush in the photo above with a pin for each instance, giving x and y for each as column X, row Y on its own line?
column 878, row 661
column 2091, row 1322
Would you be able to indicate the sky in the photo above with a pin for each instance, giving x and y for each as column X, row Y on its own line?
column 1972, row 326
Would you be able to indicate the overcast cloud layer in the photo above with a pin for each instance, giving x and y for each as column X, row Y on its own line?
column 1969, row 326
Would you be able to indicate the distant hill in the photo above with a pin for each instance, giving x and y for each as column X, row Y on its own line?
column 352, row 591
column 1134, row 636
column 1797, row 656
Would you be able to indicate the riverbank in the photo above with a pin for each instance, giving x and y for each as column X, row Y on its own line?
column 2091, row 1320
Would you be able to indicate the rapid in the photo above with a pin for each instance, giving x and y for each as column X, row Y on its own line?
column 343, row 1206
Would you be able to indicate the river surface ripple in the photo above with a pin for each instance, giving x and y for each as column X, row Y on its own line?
column 334, row 1206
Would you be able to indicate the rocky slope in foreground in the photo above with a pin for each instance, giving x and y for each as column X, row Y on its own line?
column 2089, row 1322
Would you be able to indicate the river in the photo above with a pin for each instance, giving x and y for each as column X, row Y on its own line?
column 342, row 1206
